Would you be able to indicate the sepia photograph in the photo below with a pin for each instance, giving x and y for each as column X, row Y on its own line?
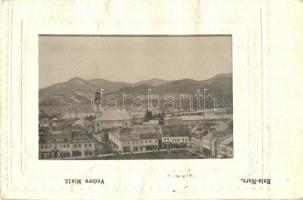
column 151, row 99
column 127, row 97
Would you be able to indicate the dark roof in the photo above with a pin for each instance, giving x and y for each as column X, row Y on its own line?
column 148, row 136
column 231, row 144
column 136, row 133
column 175, row 131
column 82, row 137
column 65, row 137
column 53, row 138
column 200, row 134
column 126, row 130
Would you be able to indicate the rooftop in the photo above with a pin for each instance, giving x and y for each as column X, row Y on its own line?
column 136, row 133
column 217, row 135
column 227, row 140
column 68, row 134
column 112, row 115
column 231, row 144
column 175, row 131
column 208, row 116
column 200, row 133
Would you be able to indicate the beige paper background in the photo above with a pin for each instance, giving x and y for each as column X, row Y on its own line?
column 267, row 137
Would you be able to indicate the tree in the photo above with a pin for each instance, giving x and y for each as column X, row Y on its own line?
column 148, row 116
column 161, row 120
column 90, row 117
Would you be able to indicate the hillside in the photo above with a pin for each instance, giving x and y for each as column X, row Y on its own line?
column 151, row 82
column 78, row 92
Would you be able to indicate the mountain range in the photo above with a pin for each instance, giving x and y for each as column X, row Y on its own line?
column 77, row 92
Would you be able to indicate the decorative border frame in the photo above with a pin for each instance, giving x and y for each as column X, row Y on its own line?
column 19, row 81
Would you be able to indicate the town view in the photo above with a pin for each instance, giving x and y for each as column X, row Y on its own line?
column 187, row 115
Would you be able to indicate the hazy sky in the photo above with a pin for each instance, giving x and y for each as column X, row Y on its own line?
column 132, row 59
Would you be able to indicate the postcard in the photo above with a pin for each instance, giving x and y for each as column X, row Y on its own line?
column 150, row 99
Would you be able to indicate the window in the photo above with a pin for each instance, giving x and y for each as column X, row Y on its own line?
column 67, row 145
column 75, row 145
column 149, row 141
column 41, row 146
column 79, row 145
column 90, row 145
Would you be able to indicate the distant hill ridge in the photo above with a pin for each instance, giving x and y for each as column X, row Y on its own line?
column 77, row 91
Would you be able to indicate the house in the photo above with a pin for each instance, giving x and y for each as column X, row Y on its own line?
column 47, row 122
column 196, row 142
column 225, row 147
column 112, row 118
column 66, row 143
column 134, row 139
column 174, row 136
column 211, row 142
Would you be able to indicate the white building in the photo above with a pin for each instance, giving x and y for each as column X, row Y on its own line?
column 175, row 136
column 135, row 139
column 65, row 144
column 196, row 142
column 112, row 118
column 226, row 147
